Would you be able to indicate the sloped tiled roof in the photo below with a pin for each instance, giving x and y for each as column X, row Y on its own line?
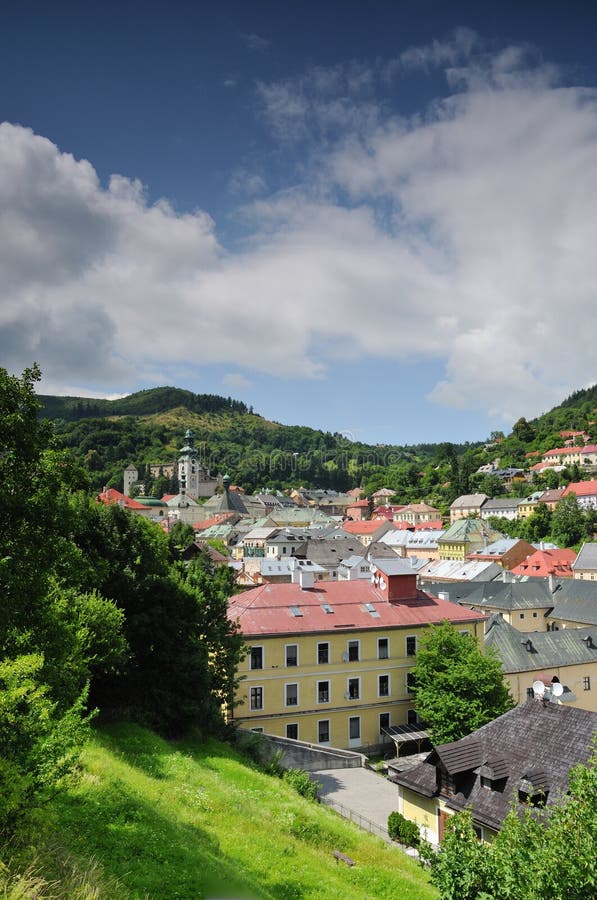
column 547, row 562
column 511, row 595
column 581, row 488
column 587, row 556
column 539, row 742
column 469, row 501
column 111, row 497
column 272, row 609
column 535, row 651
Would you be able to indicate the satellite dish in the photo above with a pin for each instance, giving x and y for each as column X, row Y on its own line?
column 556, row 689
column 538, row 688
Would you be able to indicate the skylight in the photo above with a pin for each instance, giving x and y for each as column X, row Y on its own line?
column 295, row 611
column 327, row 608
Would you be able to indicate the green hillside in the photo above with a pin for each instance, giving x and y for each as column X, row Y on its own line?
column 154, row 819
column 104, row 436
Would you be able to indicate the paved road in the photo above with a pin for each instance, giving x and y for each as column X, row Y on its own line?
column 362, row 791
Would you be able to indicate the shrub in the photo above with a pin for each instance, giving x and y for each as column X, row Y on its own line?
column 301, row 782
column 403, row 830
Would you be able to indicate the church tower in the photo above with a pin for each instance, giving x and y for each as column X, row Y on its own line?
column 188, row 466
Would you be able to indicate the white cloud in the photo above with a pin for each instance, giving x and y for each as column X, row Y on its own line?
column 236, row 380
column 254, row 41
column 464, row 236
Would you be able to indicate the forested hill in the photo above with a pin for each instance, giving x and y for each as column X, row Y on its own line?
column 148, row 427
column 142, row 403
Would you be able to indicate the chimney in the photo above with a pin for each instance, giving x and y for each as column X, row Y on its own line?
column 307, row 579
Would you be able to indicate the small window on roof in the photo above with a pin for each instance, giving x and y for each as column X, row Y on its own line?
column 295, row 611
column 327, row 608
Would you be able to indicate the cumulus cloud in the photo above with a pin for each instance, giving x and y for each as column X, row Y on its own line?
column 464, row 235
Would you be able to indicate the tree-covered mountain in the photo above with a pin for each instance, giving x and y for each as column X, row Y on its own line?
column 147, row 427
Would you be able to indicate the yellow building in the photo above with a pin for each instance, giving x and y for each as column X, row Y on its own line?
column 329, row 662
column 465, row 536
column 568, row 656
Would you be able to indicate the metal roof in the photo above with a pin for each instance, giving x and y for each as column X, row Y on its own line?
column 525, row 651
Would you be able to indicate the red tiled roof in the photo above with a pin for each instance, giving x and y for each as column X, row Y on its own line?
column 112, row 496
column 436, row 525
column 218, row 519
column 581, row 488
column 532, row 453
column 542, row 563
column 361, row 504
column 403, row 526
column 369, row 527
column 267, row 609
column 167, row 497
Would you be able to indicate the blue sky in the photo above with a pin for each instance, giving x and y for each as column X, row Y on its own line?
column 376, row 219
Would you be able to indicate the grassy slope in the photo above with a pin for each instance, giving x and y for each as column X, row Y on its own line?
column 158, row 820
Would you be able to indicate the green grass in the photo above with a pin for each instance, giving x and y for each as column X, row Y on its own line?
column 155, row 819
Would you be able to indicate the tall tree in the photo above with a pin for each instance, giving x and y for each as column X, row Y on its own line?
column 458, row 686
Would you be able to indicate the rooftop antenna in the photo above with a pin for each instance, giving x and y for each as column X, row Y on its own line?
column 556, row 691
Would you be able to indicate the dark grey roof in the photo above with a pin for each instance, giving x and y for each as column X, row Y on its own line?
column 456, row 590
column 575, row 601
column 499, row 503
column 587, row 557
column 525, row 651
column 459, row 756
column 511, row 595
column 535, row 743
column 330, row 553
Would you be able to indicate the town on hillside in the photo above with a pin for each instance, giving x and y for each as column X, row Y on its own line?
column 335, row 592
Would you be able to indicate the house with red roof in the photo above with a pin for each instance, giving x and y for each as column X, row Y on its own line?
column 330, row 662
column 585, row 492
column 543, row 563
column 112, row 497
column 358, row 510
column 367, row 532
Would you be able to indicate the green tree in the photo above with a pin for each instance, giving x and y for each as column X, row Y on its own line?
column 568, row 522
column 458, row 686
column 43, row 662
column 538, row 525
column 180, row 537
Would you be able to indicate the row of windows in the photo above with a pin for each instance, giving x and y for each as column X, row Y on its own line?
column 324, row 731
column 323, row 656
column 323, row 691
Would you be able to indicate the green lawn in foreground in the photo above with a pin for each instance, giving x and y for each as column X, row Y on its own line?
column 160, row 820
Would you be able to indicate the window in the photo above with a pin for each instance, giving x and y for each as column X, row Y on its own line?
column 354, row 728
column 530, row 693
column 411, row 646
column 291, row 691
column 521, row 615
column 383, row 648
column 486, row 782
column 586, row 683
column 410, row 682
column 384, row 723
column 292, row 731
column 323, row 731
column 256, row 698
column 354, row 688
column 383, row 685
column 257, row 657
column 292, row 654
column 411, row 717
column 323, row 692
column 258, row 730
column 353, row 651
column 323, row 653
column 534, row 615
